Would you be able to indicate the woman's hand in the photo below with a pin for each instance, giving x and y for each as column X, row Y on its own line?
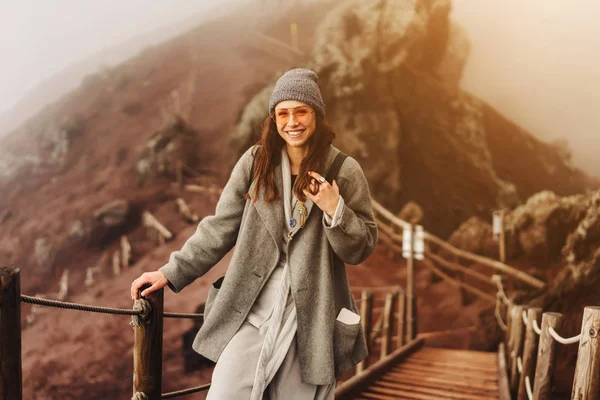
column 326, row 195
column 157, row 279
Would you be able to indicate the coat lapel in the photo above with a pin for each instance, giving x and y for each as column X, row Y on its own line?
column 271, row 214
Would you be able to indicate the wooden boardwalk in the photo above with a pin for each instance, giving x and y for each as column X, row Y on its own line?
column 431, row 374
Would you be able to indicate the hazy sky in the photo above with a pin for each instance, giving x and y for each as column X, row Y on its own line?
column 40, row 38
column 537, row 61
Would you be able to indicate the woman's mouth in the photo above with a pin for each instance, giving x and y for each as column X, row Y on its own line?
column 295, row 134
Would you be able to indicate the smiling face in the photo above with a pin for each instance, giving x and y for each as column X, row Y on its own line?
column 296, row 122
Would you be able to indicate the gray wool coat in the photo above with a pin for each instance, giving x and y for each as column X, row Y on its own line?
column 326, row 346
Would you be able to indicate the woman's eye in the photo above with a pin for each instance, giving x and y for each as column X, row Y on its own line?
column 301, row 113
column 282, row 114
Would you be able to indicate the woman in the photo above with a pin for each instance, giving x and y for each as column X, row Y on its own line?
column 270, row 324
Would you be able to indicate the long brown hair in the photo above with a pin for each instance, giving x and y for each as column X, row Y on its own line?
column 268, row 156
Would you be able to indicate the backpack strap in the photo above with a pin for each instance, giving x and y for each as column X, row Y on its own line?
column 335, row 167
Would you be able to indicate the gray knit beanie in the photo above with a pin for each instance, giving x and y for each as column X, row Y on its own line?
column 298, row 84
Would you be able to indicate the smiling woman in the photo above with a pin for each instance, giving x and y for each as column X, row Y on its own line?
column 270, row 323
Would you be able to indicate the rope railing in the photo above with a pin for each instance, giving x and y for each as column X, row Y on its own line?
column 501, row 323
column 145, row 314
column 536, row 327
column 102, row 310
column 528, row 388
column 179, row 393
column 184, row 315
column 561, row 339
column 531, row 349
column 79, row 307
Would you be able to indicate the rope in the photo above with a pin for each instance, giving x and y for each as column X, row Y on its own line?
column 144, row 308
column 561, row 339
column 75, row 306
column 524, row 316
column 139, row 396
column 498, row 316
column 172, row 395
column 519, row 364
column 536, row 327
column 183, row 315
column 528, row 388
column 501, row 292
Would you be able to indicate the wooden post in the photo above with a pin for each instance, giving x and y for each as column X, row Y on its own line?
column 147, row 350
column 386, row 335
column 529, row 352
column 116, row 263
column 125, row 252
column 11, row 375
column 401, row 311
column 502, row 237
column 517, row 347
column 366, row 307
column 179, row 174
column 508, row 337
column 586, row 384
column 411, row 318
column 544, row 371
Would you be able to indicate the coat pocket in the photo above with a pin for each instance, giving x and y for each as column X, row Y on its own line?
column 344, row 339
column 212, row 294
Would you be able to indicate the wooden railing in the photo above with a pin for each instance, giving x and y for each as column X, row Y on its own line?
column 531, row 349
column 389, row 320
column 147, row 320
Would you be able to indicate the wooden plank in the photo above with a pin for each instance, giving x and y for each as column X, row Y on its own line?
column 357, row 384
column 463, row 366
column 417, row 381
column 457, row 372
column 464, row 384
column 438, row 392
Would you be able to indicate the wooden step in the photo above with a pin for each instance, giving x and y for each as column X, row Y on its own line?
column 436, row 374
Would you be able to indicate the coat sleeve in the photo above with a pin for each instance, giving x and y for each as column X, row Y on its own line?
column 354, row 237
column 215, row 235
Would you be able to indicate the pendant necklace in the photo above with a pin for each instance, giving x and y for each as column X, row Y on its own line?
column 301, row 211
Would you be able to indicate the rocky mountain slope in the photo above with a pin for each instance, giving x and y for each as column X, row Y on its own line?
column 79, row 175
column 389, row 72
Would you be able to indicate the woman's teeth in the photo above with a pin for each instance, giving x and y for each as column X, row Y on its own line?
column 295, row 133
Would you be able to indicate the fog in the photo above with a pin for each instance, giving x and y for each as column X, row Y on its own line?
column 536, row 61
column 39, row 39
